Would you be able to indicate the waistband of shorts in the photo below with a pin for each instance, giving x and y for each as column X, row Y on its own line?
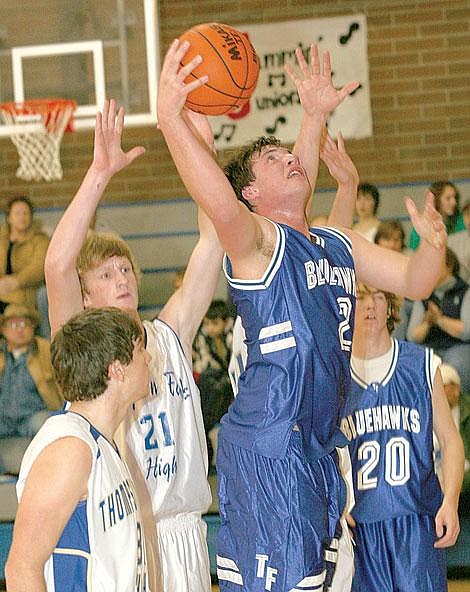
column 179, row 522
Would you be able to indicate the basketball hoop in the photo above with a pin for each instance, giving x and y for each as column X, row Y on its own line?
column 41, row 123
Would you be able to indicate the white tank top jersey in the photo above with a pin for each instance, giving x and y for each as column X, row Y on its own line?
column 165, row 431
column 101, row 547
column 239, row 355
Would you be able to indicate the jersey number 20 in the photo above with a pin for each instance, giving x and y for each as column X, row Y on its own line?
column 397, row 463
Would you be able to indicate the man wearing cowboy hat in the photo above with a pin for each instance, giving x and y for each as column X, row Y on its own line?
column 27, row 389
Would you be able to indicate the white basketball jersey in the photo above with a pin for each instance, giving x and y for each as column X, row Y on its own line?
column 239, row 355
column 165, row 432
column 101, row 547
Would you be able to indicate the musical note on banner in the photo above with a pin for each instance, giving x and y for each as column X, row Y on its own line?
column 230, row 127
column 345, row 38
column 279, row 120
column 272, row 77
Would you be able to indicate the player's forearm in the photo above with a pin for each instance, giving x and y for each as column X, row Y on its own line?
column 453, row 459
column 423, row 270
column 186, row 309
column 342, row 210
column 72, row 229
column 20, row 577
column 307, row 145
column 199, row 171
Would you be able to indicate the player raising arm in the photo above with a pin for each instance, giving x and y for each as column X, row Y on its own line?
column 295, row 293
column 163, row 437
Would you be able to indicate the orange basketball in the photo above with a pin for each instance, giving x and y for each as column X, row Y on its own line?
column 229, row 60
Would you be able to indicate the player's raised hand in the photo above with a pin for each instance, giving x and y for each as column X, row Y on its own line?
column 339, row 164
column 315, row 87
column 428, row 223
column 172, row 89
column 108, row 155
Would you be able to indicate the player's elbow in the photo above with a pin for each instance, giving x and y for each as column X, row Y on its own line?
column 419, row 292
column 420, row 295
column 56, row 263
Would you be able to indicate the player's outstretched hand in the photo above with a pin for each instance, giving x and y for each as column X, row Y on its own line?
column 172, row 89
column 428, row 223
column 447, row 526
column 108, row 155
column 340, row 165
column 315, row 87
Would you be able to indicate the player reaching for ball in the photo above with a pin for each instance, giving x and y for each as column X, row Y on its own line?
column 295, row 291
column 162, row 438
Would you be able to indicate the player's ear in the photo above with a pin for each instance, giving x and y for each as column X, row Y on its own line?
column 116, row 371
column 250, row 193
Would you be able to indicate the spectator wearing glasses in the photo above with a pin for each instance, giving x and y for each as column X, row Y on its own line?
column 28, row 392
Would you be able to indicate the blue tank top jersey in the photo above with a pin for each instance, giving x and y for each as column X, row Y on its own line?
column 389, row 425
column 298, row 320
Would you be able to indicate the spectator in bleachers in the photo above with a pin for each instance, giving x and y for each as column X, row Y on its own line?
column 459, row 242
column 446, row 197
column 367, row 204
column 28, row 391
column 23, row 247
column 390, row 235
column 211, row 352
column 443, row 320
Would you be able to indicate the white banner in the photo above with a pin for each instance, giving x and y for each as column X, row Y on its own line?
column 274, row 108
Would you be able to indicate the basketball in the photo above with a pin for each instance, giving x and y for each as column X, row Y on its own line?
column 229, row 60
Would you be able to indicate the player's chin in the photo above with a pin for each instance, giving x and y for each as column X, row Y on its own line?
column 127, row 302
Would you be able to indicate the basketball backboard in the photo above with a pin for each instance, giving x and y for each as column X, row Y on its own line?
column 82, row 50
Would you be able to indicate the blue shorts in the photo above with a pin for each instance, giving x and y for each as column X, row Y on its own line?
column 399, row 555
column 278, row 517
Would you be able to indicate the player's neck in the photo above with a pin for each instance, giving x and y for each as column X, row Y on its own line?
column 297, row 221
column 368, row 344
column 100, row 413
column 290, row 212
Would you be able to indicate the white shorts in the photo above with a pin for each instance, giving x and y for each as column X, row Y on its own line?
column 184, row 557
column 342, row 579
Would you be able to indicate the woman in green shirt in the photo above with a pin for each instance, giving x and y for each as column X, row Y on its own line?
column 447, row 204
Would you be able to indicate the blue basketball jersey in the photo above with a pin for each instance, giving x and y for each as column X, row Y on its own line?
column 389, row 424
column 298, row 320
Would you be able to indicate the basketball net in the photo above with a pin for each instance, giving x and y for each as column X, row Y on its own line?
column 39, row 147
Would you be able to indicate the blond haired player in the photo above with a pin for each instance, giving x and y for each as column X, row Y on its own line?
column 163, row 436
